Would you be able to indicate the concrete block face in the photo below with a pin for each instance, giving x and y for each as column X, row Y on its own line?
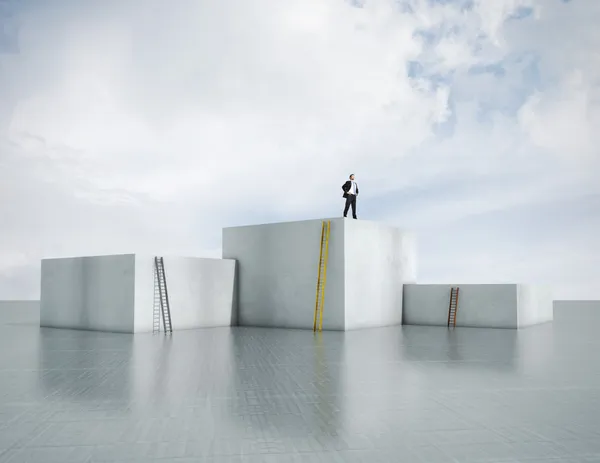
column 535, row 305
column 408, row 257
column 88, row 293
column 277, row 273
column 479, row 305
column 378, row 260
column 116, row 293
column 144, row 293
column 200, row 292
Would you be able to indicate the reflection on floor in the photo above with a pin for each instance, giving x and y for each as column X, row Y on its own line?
column 399, row 394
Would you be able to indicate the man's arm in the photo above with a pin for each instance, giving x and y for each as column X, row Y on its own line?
column 346, row 186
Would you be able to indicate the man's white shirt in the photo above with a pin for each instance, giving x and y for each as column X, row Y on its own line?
column 352, row 187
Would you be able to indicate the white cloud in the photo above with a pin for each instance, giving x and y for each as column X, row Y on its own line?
column 567, row 122
column 137, row 126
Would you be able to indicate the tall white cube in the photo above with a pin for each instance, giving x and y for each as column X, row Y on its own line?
column 278, row 270
column 116, row 293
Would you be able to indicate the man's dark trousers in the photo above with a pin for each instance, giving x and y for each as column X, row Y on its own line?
column 350, row 201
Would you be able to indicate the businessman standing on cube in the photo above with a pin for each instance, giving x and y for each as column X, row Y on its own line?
column 350, row 193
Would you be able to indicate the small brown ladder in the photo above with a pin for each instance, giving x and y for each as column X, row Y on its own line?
column 453, row 307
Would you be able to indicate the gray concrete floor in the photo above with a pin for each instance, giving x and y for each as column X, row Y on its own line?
column 401, row 394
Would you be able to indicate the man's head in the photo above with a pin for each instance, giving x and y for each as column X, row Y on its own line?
column 351, row 176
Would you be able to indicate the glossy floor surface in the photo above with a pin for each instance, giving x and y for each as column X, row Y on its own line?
column 401, row 394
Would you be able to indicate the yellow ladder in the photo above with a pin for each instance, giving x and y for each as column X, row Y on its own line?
column 322, row 275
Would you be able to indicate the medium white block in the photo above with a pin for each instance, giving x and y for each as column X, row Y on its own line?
column 479, row 305
column 116, row 293
column 278, row 266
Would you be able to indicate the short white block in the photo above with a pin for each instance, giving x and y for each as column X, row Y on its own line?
column 116, row 293
column 479, row 305
column 278, row 266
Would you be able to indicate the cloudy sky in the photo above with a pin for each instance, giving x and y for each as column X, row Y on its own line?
column 146, row 126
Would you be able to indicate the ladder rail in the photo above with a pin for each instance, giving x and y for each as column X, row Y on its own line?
column 319, row 278
column 456, row 305
column 156, row 303
column 167, row 297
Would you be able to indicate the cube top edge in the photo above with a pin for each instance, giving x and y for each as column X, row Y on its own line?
column 263, row 224
column 134, row 255
column 346, row 221
column 443, row 283
column 88, row 256
column 464, row 284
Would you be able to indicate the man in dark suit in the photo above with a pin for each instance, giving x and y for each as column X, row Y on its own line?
column 350, row 193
